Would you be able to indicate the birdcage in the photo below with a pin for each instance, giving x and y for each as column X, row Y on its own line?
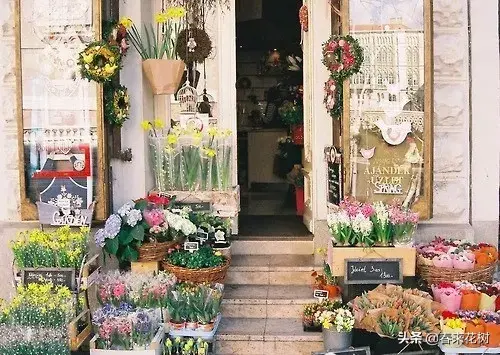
column 206, row 103
column 188, row 98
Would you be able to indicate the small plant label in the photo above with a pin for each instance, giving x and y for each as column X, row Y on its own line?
column 321, row 294
column 202, row 235
column 191, row 246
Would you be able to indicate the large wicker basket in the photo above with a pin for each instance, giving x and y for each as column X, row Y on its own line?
column 212, row 274
column 434, row 275
column 154, row 251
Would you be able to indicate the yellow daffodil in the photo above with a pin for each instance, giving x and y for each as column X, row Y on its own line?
column 126, row 22
column 158, row 123
column 145, row 125
column 197, row 137
column 172, row 139
column 88, row 58
column 213, row 131
column 209, row 152
column 110, row 69
column 161, row 17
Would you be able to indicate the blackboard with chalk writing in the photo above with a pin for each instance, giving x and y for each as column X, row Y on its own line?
column 63, row 277
column 373, row 271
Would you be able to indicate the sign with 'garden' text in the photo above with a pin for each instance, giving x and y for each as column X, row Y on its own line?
column 373, row 271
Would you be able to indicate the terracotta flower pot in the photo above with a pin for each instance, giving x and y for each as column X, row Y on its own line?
column 470, row 301
column 164, row 75
column 191, row 325
column 473, row 329
column 177, row 326
column 206, row 327
column 333, row 291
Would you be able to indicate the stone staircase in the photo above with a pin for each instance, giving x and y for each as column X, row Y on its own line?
column 263, row 299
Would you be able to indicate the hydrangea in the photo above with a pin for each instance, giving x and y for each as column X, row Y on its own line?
column 133, row 217
column 100, row 238
column 112, row 226
column 126, row 208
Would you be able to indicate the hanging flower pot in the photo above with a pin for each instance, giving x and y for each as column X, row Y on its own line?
column 298, row 134
column 164, row 75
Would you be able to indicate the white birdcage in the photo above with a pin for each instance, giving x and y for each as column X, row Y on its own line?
column 188, row 98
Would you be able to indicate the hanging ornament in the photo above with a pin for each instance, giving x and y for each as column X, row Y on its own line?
column 193, row 45
column 343, row 56
column 367, row 153
column 394, row 134
column 333, row 98
column 304, row 18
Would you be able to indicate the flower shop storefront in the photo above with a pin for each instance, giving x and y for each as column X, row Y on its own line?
column 120, row 222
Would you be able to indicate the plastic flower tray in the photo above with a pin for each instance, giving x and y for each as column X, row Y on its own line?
column 196, row 333
column 156, row 347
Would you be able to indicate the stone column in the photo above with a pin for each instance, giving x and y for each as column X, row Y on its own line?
column 133, row 179
column 485, row 119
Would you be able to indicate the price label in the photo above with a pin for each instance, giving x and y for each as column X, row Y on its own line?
column 202, row 235
column 321, row 294
column 191, row 246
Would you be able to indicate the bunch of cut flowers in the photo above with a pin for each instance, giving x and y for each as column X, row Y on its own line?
column 470, row 329
column 62, row 248
column 463, row 295
column 340, row 320
column 312, row 311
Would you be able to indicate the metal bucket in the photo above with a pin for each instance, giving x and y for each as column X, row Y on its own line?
column 334, row 340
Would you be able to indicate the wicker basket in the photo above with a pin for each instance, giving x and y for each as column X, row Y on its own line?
column 433, row 275
column 212, row 274
column 154, row 251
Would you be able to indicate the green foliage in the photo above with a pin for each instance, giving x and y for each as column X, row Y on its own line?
column 291, row 113
column 204, row 257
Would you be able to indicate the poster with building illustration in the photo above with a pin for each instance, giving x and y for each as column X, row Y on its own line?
column 388, row 140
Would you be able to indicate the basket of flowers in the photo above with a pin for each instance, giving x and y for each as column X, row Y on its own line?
column 202, row 265
column 455, row 260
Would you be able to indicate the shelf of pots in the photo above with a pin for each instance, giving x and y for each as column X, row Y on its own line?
column 364, row 230
column 47, row 313
column 456, row 260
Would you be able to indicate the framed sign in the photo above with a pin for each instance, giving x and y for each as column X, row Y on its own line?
column 373, row 271
column 62, row 277
column 59, row 114
column 388, row 106
column 334, row 177
column 352, row 351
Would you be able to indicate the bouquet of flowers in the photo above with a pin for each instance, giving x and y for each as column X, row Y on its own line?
column 340, row 320
column 312, row 311
column 63, row 248
column 23, row 340
column 291, row 113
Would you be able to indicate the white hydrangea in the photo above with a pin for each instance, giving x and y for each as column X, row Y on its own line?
column 180, row 224
column 126, row 208
column 362, row 225
column 133, row 217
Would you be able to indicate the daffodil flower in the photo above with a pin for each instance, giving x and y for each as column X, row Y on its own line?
column 145, row 125
column 172, row 139
column 158, row 123
column 126, row 22
column 88, row 58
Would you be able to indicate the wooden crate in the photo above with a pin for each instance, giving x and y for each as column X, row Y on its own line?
column 77, row 338
column 338, row 255
column 156, row 347
column 145, row 267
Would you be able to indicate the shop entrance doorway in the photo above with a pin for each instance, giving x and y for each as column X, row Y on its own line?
column 270, row 110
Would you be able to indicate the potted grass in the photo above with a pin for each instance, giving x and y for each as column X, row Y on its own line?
column 157, row 48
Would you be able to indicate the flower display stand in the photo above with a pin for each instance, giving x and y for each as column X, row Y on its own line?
column 77, row 337
column 208, row 336
column 338, row 255
column 156, row 347
column 148, row 267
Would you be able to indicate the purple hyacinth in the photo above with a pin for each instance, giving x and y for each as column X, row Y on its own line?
column 142, row 323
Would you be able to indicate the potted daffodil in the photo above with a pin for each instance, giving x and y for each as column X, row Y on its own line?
column 157, row 48
column 337, row 328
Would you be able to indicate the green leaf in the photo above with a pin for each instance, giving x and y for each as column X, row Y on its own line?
column 130, row 254
column 137, row 232
column 112, row 246
column 141, row 204
column 125, row 237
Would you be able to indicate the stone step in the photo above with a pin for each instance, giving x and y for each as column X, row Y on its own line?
column 259, row 336
column 271, row 245
column 265, row 301
column 271, row 270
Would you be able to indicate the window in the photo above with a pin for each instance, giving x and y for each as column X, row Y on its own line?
column 380, row 79
column 392, row 97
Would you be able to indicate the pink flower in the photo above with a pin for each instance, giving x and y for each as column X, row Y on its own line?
column 367, row 210
column 118, row 290
column 332, row 46
column 154, row 217
column 104, row 294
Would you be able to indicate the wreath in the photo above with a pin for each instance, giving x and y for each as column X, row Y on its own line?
column 117, row 104
column 99, row 62
column 333, row 98
column 193, row 45
column 116, row 34
column 343, row 56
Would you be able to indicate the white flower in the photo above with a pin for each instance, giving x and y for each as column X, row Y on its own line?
column 362, row 225
column 381, row 213
column 133, row 217
column 341, row 43
column 126, row 208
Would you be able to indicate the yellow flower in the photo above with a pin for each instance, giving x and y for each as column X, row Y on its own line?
column 197, row 137
column 217, row 253
column 227, row 133
column 88, row 58
column 161, row 17
column 126, row 22
column 145, row 125
column 180, row 12
column 209, row 152
column 158, row 123
column 110, row 69
column 213, row 131
column 172, row 139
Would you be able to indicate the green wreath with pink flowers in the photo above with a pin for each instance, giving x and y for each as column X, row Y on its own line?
column 343, row 56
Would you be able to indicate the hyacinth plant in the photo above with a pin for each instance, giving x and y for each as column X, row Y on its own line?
column 159, row 43
column 23, row 340
column 62, row 248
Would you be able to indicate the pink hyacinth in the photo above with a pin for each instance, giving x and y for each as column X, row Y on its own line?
column 367, row 210
column 104, row 294
column 118, row 290
column 154, row 217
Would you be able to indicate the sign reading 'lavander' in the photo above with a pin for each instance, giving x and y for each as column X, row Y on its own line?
column 373, row 271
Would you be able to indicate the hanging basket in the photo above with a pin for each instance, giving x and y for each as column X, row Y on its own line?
column 164, row 75
column 434, row 275
column 154, row 251
column 212, row 274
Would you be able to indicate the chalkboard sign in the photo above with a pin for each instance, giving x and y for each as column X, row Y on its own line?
column 373, row 271
column 352, row 351
column 334, row 177
column 63, row 276
column 191, row 246
column 196, row 206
